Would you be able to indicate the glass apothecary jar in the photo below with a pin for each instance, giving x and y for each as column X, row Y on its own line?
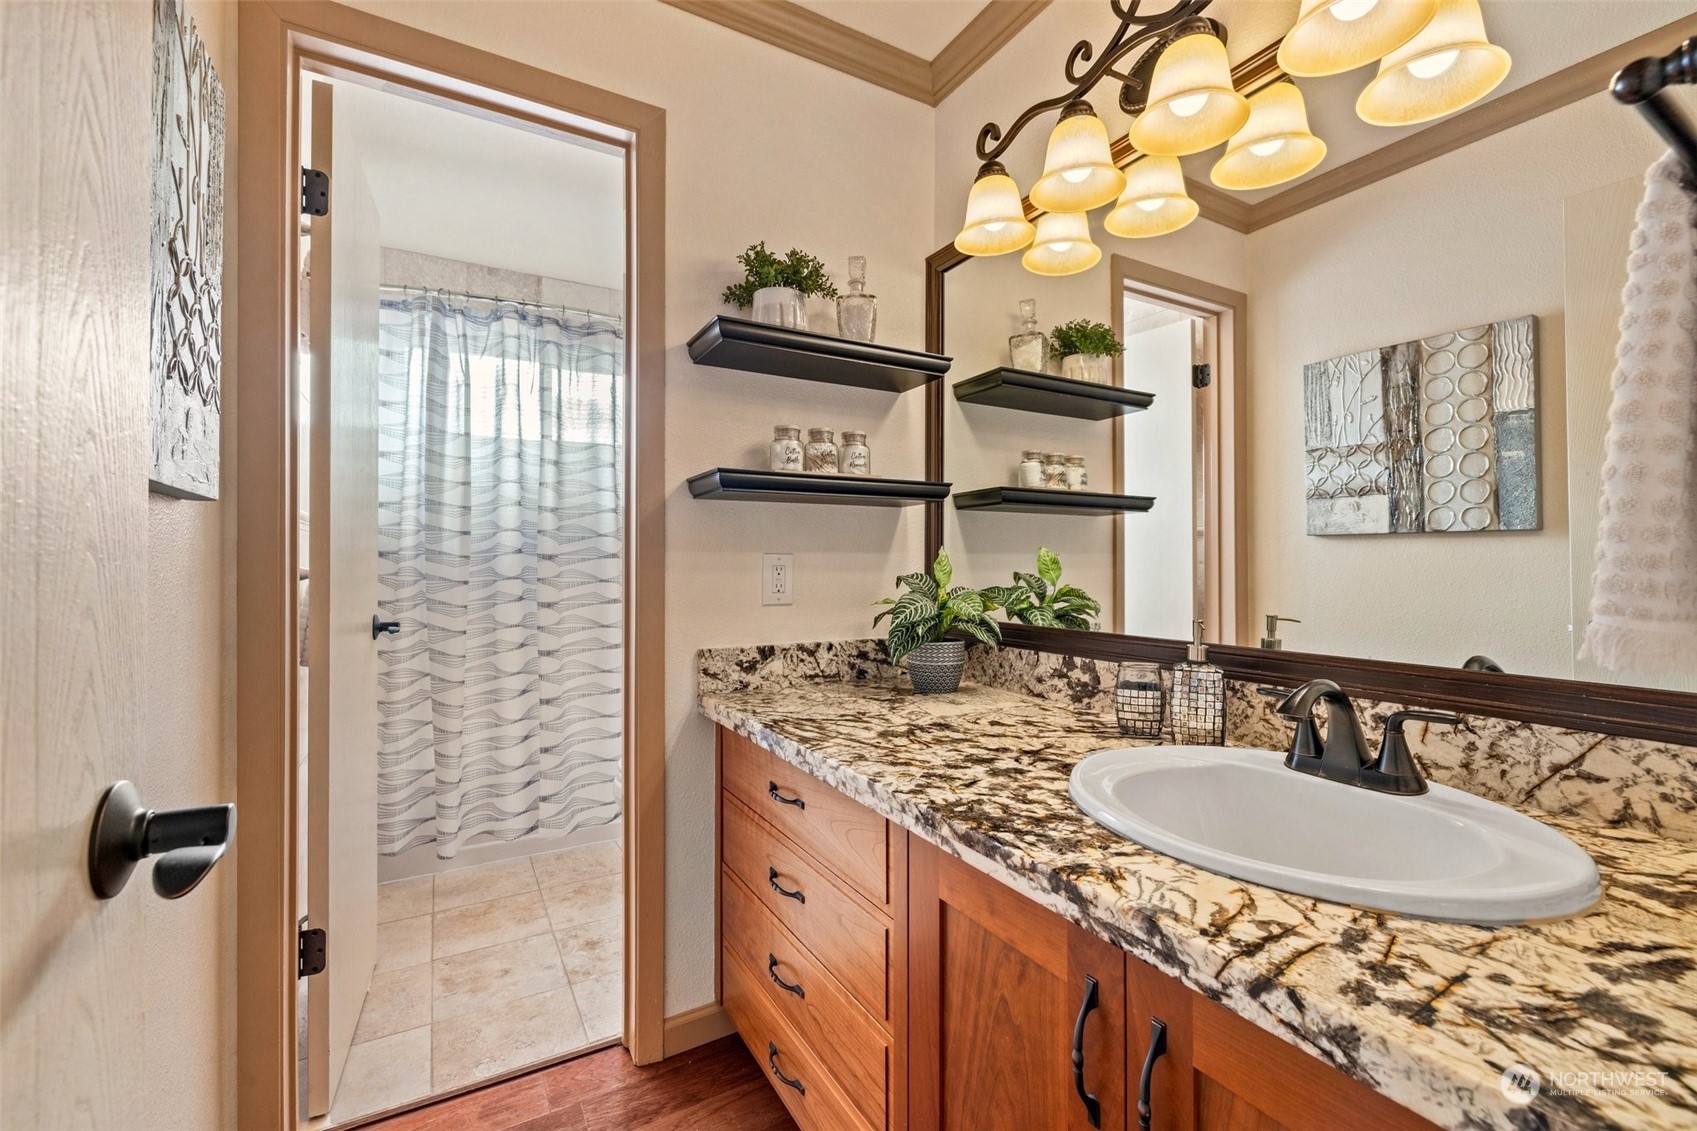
column 786, row 448
column 1029, row 349
column 1031, row 469
column 856, row 457
column 821, row 453
column 857, row 311
column 1054, row 470
column 1077, row 478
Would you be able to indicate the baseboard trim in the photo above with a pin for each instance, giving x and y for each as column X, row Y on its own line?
column 696, row 1027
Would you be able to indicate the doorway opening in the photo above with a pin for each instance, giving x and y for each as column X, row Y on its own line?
column 461, row 452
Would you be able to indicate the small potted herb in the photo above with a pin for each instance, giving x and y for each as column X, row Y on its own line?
column 920, row 619
column 1087, row 350
column 1040, row 600
column 776, row 288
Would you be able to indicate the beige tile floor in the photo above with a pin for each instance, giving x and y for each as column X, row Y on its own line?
column 485, row 969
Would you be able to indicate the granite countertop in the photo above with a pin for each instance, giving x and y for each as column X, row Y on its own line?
column 1429, row 1014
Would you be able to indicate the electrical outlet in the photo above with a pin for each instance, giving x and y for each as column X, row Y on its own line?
column 777, row 579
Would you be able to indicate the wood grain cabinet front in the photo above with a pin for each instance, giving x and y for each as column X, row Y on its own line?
column 812, row 898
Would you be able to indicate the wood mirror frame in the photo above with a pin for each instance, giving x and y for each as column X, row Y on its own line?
column 1604, row 708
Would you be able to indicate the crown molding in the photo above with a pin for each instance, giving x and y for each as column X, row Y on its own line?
column 804, row 32
column 987, row 33
column 1535, row 99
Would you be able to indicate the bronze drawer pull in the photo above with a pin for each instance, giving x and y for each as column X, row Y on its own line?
column 772, row 969
column 772, row 878
column 772, row 792
column 772, row 1063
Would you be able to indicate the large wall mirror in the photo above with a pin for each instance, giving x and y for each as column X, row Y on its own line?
column 1486, row 281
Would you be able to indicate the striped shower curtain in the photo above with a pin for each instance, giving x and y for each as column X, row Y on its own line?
column 500, row 510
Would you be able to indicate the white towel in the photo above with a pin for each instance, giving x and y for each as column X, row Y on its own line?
column 1644, row 591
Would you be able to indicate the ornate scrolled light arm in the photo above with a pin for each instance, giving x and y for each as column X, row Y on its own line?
column 1084, row 74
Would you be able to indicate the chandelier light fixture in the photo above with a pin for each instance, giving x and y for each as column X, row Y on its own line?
column 1433, row 56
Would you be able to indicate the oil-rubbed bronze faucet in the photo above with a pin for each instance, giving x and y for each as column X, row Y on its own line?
column 1342, row 755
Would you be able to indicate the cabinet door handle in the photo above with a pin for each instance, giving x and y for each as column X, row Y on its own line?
column 772, row 878
column 772, row 1063
column 772, row 969
column 772, row 792
column 1157, row 1049
column 1092, row 1105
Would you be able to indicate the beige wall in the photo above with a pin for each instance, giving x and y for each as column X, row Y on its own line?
column 189, row 1031
column 1471, row 237
column 760, row 145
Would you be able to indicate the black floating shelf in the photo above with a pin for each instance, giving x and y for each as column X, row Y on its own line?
column 1051, row 500
column 755, row 347
column 803, row 487
column 1054, row 396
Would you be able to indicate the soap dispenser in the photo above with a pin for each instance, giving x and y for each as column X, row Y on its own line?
column 1199, row 697
column 1271, row 641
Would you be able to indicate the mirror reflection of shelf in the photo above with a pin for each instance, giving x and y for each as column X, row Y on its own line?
column 803, row 487
column 1044, row 393
column 1051, row 500
column 756, row 347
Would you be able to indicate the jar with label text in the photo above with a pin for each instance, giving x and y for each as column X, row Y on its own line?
column 786, row 448
column 821, row 453
column 1077, row 478
column 1031, row 469
column 856, row 456
column 1054, row 470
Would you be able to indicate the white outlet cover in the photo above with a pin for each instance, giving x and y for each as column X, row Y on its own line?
column 777, row 579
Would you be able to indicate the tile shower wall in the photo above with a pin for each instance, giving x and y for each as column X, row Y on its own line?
column 1617, row 781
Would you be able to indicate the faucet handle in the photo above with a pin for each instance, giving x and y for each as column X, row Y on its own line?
column 1395, row 770
column 1395, row 721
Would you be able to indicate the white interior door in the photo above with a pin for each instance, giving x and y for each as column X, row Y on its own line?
column 342, row 656
column 74, row 459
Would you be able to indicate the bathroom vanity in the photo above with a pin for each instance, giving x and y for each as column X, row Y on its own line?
column 919, row 929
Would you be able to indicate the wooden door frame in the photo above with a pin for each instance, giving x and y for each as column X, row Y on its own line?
column 275, row 39
column 1225, row 539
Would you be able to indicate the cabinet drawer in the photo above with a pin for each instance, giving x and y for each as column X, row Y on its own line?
column 845, row 836
column 814, row 1100
column 845, row 934
column 838, row 1032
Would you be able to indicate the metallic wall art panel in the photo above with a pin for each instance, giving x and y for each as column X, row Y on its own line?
column 187, row 283
column 1437, row 435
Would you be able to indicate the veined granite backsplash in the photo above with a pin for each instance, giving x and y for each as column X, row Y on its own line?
column 1616, row 781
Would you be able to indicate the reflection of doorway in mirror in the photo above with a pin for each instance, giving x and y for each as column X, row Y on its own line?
column 1160, row 457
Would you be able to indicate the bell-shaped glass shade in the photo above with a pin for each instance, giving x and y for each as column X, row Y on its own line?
column 1079, row 173
column 1274, row 146
column 1450, row 64
column 995, row 215
column 1333, row 36
column 1192, row 104
column 1154, row 201
column 1062, row 246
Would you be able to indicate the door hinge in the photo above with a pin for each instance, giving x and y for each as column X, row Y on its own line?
column 315, row 193
column 1201, row 376
column 312, row 951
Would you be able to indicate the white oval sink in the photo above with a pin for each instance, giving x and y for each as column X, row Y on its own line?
column 1442, row 855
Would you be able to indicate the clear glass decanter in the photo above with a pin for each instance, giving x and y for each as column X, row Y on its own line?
column 1029, row 349
column 857, row 311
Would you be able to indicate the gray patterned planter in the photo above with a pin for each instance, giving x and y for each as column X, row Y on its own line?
column 935, row 668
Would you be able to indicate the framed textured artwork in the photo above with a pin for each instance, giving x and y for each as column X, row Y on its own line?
column 187, row 277
column 1438, row 435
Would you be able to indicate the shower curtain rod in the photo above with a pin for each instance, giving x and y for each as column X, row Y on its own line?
column 492, row 298
column 1644, row 83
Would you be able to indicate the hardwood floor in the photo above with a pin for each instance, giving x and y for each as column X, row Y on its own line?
column 717, row 1087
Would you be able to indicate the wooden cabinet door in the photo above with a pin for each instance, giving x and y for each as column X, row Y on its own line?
column 1221, row 1072
column 997, row 985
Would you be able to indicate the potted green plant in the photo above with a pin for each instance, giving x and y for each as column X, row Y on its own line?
column 776, row 288
column 922, row 616
column 1039, row 599
column 1087, row 350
